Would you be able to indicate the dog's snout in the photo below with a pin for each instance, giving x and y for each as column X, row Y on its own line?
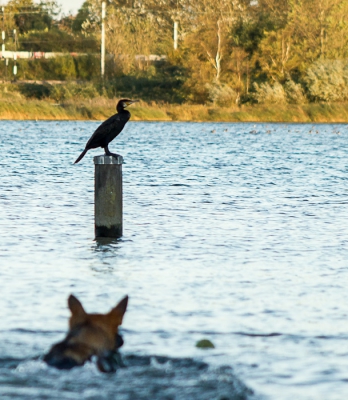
column 59, row 360
column 110, row 361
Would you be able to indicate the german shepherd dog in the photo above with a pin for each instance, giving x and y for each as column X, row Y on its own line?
column 89, row 335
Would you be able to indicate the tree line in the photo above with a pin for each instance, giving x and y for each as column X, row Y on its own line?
column 229, row 51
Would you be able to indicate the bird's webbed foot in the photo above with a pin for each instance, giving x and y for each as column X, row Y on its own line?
column 114, row 155
column 108, row 153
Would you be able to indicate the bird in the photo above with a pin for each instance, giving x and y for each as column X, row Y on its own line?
column 109, row 129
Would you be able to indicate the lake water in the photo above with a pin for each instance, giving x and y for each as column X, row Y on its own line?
column 232, row 232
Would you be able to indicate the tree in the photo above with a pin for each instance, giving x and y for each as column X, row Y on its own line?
column 320, row 28
column 210, row 31
column 309, row 31
column 133, row 47
column 328, row 80
column 275, row 55
column 82, row 15
column 29, row 16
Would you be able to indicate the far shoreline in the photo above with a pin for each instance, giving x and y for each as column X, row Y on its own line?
column 100, row 109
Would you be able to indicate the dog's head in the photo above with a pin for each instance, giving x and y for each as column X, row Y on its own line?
column 89, row 335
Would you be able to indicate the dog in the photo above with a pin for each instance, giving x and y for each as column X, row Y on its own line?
column 90, row 335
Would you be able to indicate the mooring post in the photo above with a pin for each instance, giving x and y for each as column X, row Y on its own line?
column 108, row 196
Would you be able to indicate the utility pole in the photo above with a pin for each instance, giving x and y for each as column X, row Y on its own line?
column 3, row 42
column 3, row 30
column 102, row 58
column 15, row 54
column 176, row 24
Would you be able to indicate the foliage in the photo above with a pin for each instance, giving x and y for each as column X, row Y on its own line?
column 319, row 29
column 73, row 90
column 159, row 83
column 28, row 15
column 328, row 80
column 61, row 67
column 221, row 95
column 55, row 40
column 87, row 67
column 13, row 105
column 294, row 93
column 34, row 90
column 230, row 52
column 267, row 94
column 82, row 15
column 291, row 93
column 274, row 55
column 138, row 38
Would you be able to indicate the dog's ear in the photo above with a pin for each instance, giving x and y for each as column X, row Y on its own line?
column 75, row 306
column 117, row 313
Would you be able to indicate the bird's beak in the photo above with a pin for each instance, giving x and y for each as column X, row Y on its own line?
column 131, row 102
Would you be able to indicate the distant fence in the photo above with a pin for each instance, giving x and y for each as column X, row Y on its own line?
column 41, row 54
column 35, row 54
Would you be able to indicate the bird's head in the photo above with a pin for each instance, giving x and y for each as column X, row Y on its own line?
column 123, row 103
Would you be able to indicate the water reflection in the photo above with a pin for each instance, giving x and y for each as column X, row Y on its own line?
column 225, row 232
column 104, row 244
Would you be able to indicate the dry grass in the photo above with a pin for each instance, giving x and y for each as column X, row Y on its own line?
column 15, row 106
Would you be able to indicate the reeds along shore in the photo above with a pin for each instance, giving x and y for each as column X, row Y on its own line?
column 101, row 108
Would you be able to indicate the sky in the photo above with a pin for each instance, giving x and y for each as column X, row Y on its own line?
column 67, row 5
column 70, row 5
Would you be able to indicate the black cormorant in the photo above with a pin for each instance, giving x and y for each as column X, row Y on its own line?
column 109, row 129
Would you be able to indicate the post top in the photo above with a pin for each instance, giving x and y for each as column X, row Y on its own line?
column 104, row 159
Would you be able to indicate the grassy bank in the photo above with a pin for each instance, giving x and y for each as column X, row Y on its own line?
column 20, row 108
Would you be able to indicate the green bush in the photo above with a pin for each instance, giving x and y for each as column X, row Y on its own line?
column 62, row 68
column 34, row 90
column 60, row 93
column 327, row 80
column 57, row 41
column 294, row 93
column 267, row 94
column 222, row 95
column 87, row 67
column 68, row 91
column 162, row 83
column 59, row 68
column 86, row 91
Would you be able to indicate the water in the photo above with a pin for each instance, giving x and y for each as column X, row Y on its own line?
column 232, row 232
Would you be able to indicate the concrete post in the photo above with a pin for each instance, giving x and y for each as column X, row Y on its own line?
column 176, row 24
column 102, row 55
column 108, row 196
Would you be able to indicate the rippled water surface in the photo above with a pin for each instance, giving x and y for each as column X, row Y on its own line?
column 232, row 232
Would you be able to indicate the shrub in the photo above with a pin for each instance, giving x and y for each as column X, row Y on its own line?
column 57, row 40
column 87, row 67
column 294, row 93
column 60, row 93
column 58, row 68
column 62, row 68
column 267, row 94
column 68, row 91
column 327, row 80
column 221, row 95
column 86, row 91
column 34, row 90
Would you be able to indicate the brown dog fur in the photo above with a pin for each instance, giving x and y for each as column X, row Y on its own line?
column 89, row 335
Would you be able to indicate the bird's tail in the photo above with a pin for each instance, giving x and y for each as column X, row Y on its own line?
column 80, row 157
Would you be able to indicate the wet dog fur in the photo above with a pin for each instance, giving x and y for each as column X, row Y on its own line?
column 89, row 335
